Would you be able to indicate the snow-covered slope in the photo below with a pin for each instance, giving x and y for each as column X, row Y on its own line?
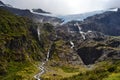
column 76, row 17
column 62, row 19
column 81, row 17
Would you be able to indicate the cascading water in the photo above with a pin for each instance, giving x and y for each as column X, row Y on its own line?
column 38, row 31
column 89, row 31
column 42, row 66
column 81, row 32
column 72, row 45
column 48, row 55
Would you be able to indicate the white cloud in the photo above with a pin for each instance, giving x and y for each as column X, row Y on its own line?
column 65, row 6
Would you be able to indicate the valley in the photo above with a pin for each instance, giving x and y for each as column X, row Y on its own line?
column 36, row 46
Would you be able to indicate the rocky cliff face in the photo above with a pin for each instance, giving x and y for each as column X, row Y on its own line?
column 20, row 44
column 107, row 23
column 76, row 43
column 94, row 48
column 62, row 38
column 92, row 51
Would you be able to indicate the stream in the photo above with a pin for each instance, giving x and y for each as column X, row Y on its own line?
column 72, row 45
column 38, row 32
column 80, row 31
column 42, row 66
column 83, row 34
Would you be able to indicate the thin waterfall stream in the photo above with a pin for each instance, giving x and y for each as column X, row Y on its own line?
column 83, row 34
column 42, row 66
column 38, row 32
column 72, row 45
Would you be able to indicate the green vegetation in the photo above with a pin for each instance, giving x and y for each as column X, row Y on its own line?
column 113, row 76
column 19, row 47
column 20, row 50
column 20, row 71
column 107, row 70
column 69, row 69
column 58, row 73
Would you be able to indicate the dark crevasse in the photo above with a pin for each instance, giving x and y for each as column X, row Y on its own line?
column 89, row 54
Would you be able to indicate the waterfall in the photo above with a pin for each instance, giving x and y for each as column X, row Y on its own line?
column 42, row 66
column 72, row 44
column 48, row 55
column 68, row 30
column 80, row 31
column 89, row 31
column 79, row 27
column 41, row 21
column 38, row 32
column 83, row 34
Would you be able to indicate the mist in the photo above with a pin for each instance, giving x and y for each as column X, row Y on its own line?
column 65, row 7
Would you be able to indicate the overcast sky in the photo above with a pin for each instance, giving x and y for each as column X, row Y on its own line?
column 65, row 6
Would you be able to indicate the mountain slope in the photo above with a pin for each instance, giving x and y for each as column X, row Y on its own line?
column 18, row 46
column 107, row 23
column 81, row 17
column 21, row 46
column 29, row 14
column 76, row 48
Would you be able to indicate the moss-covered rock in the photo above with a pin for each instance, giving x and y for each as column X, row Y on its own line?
column 18, row 44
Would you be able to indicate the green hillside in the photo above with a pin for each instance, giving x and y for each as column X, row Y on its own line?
column 19, row 47
column 22, row 51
